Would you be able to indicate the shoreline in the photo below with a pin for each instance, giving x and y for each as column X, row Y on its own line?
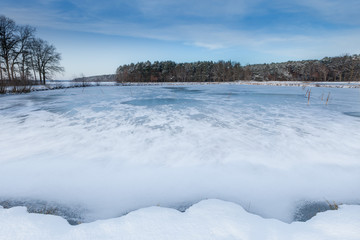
column 259, row 83
column 70, row 84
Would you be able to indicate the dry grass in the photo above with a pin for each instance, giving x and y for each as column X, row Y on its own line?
column 333, row 205
column 2, row 88
column 327, row 99
column 21, row 89
column 17, row 86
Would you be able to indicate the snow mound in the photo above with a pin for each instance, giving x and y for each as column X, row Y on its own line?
column 208, row 219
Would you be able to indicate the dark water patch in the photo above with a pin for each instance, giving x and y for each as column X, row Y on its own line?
column 176, row 88
column 307, row 210
column 183, row 90
column 150, row 102
column 74, row 215
column 353, row 114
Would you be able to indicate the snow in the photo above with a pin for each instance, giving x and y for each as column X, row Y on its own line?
column 111, row 150
column 209, row 219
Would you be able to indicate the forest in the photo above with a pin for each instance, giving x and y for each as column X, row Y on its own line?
column 342, row 68
column 24, row 58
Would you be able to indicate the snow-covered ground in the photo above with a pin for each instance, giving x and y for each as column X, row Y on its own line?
column 103, row 152
column 209, row 219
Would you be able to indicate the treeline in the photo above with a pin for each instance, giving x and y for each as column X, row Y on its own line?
column 25, row 58
column 169, row 71
column 335, row 69
column 344, row 68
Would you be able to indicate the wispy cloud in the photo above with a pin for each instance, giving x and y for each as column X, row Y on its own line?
column 201, row 8
column 331, row 11
column 279, row 29
column 211, row 36
column 274, row 16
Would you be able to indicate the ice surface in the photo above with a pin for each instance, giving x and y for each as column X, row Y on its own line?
column 112, row 150
column 209, row 219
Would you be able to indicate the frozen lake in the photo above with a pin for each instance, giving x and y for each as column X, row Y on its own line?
column 106, row 151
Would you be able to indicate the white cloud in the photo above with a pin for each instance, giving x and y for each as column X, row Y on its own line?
column 209, row 46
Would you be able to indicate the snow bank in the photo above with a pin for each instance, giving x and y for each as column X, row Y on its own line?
column 210, row 219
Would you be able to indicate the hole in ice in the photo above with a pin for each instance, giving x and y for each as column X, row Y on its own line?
column 74, row 215
column 306, row 210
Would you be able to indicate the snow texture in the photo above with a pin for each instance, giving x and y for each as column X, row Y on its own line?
column 209, row 219
column 112, row 150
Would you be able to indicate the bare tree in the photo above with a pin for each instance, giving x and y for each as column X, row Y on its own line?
column 1, row 70
column 324, row 70
column 8, row 42
column 46, row 59
column 26, row 34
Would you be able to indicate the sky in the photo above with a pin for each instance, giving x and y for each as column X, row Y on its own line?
column 95, row 37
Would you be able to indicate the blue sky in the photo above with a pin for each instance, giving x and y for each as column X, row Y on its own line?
column 95, row 37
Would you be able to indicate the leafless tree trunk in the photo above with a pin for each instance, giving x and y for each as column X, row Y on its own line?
column 324, row 70
column 46, row 58
column 9, row 40
column 26, row 34
column 1, row 72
